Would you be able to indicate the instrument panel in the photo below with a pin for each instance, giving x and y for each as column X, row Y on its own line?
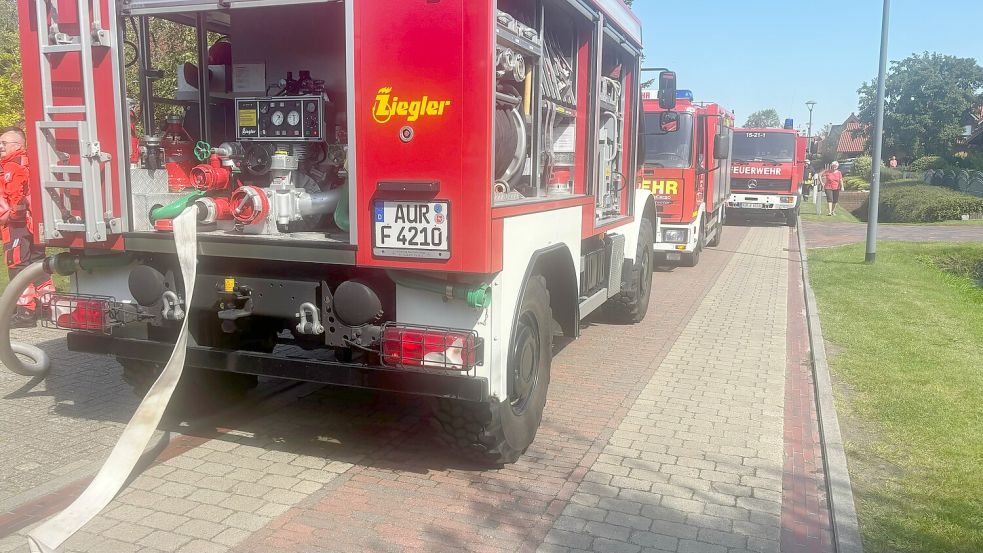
column 280, row 119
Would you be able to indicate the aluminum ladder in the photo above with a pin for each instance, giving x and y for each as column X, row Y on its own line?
column 91, row 176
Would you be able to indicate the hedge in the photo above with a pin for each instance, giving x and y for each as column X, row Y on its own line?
column 914, row 202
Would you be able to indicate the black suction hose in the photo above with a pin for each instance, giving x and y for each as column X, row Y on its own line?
column 38, row 362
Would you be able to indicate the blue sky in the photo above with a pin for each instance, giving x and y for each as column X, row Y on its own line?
column 757, row 54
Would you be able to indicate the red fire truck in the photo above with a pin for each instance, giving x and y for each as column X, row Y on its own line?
column 441, row 187
column 769, row 166
column 688, row 173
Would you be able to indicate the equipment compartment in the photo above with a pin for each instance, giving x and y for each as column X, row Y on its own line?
column 267, row 158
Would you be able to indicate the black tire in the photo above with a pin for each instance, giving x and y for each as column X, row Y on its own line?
column 715, row 241
column 792, row 217
column 632, row 303
column 500, row 432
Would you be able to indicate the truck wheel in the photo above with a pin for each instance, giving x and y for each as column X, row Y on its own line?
column 715, row 241
column 500, row 432
column 632, row 303
column 196, row 392
column 792, row 217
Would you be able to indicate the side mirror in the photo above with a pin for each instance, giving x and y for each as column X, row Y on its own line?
column 721, row 147
column 669, row 122
column 667, row 90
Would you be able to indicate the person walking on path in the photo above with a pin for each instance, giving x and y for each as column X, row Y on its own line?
column 19, row 247
column 832, row 183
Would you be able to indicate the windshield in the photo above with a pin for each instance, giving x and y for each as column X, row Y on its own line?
column 764, row 146
column 674, row 149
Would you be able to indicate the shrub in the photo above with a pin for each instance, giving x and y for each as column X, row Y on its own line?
column 967, row 160
column 913, row 202
column 890, row 175
column 863, row 167
column 929, row 162
column 854, row 182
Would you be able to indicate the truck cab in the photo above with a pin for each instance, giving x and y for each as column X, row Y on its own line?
column 769, row 165
column 685, row 162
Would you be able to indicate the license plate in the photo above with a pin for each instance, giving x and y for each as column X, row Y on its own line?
column 411, row 229
column 751, row 205
column 673, row 256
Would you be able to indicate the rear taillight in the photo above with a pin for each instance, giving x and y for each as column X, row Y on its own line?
column 438, row 348
column 79, row 314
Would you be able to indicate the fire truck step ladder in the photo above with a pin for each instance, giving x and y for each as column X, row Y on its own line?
column 91, row 176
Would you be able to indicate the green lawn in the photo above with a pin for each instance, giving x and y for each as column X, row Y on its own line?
column 906, row 343
column 808, row 213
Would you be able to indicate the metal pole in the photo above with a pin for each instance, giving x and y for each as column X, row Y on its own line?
column 815, row 191
column 875, row 185
column 146, row 83
column 204, row 114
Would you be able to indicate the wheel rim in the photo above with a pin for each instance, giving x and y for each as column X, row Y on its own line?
column 525, row 361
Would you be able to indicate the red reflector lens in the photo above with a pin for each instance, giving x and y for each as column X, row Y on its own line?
column 82, row 314
column 426, row 347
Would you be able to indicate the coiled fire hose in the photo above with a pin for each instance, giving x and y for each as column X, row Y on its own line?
column 38, row 362
column 139, row 431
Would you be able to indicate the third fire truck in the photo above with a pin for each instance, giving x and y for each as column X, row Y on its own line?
column 686, row 163
column 769, row 165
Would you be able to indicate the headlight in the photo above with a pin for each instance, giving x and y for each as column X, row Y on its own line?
column 677, row 236
column 788, row 199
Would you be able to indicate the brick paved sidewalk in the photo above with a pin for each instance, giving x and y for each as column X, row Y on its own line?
column 820, row 235
column 697, row 463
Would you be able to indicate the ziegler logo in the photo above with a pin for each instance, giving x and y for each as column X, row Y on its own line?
column 386, row 106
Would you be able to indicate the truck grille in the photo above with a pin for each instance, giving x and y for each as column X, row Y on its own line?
column 761, row 185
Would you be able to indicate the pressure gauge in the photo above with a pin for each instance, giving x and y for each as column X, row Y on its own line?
column 293, row 118
column 311, row 107
column 277, row 118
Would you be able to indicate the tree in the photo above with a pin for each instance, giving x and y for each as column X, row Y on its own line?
column 926, row 96
column 763, row 119
column 11, row 84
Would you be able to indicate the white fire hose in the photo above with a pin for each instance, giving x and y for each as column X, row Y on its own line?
column 48, row 537
column 38, row 362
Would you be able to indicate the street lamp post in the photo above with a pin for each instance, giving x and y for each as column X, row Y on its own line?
column 877, row 137
column 815, row 189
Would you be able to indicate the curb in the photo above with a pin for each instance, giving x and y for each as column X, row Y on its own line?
column 843, row 511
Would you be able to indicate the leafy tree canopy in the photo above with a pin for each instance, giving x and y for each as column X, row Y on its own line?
column 762, row 119
column 11, row 85
column 926, row 97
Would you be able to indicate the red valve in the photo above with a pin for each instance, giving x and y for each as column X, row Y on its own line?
column 250, row 205
column 211, row 175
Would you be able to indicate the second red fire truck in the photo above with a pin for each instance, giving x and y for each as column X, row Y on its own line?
column 686, row 163
column 769, row 165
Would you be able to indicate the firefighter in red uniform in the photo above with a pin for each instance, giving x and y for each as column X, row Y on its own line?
column 19, row 247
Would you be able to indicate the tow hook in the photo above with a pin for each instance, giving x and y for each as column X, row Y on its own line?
column 310, row 322
column 172, row 310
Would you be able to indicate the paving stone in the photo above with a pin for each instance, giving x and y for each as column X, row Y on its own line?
column 604, row 545
column 245, row 521
column 164, row 521
column 649, row 540
column 690, row 546
column 165, row 541
column 200, row 529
